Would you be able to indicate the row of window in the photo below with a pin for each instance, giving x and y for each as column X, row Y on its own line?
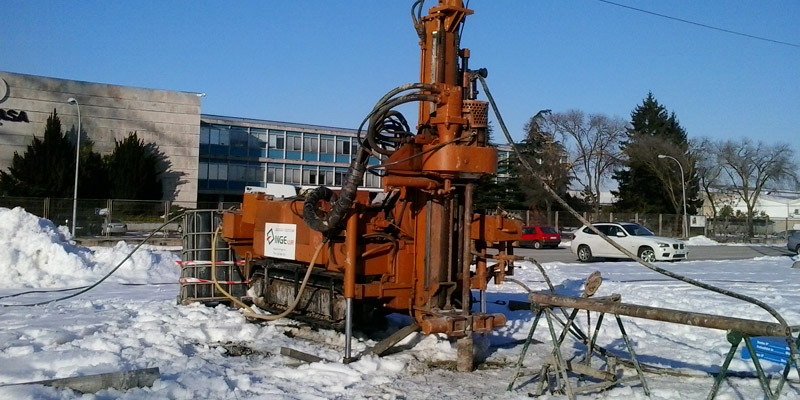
column 239, row 141
column 260, row 173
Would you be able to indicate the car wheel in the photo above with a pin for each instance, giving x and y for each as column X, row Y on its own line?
column 537, row 244
column 584, row 253
column 647, row 254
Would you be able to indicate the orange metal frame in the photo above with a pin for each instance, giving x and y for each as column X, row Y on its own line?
column 416, row 258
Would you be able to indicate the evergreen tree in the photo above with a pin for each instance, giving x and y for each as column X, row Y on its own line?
column 46, row 169
column 92, row 171
column 134, row 170
column 501, row 189
column 641, row 186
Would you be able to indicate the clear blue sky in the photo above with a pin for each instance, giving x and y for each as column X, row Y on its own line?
column 328, row 62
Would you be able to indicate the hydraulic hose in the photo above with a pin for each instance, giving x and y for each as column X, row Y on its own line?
column 329, row 224
column 339, row 208
column 563, row 203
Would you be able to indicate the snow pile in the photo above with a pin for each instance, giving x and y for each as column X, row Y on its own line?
column 35, row 253
column 701, row 241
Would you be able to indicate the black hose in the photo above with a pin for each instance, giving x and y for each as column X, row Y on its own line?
column 382, row 119
column 329, row 223
column 106, row 276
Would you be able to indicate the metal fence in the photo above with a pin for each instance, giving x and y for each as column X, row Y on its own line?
column 146, row 215
column 92, row 214
column 765, row 230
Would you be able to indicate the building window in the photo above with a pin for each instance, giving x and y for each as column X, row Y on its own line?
column 239, row 140
column 255, row 173
column 309, row 175
column 293, row 174
column 237, row 172
column 274, row 173
column 217, row 171
column 276, row 140
column 294, row 142
column 219, row 136
column 202, row 170
column 326, row 145
column 343, row 146
column 257, row 143
column 310, row 147
column 339, row 176
column 325, row 176
column 309, row 144
column 372, row 180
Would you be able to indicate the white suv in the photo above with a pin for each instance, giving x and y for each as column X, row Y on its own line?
column 634, row 238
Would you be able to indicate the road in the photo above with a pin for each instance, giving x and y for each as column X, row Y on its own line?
column 739, row 252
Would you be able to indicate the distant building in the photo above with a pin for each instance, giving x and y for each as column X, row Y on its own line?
column 776, row 205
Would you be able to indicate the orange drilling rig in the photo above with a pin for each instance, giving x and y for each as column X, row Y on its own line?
column 417, row 248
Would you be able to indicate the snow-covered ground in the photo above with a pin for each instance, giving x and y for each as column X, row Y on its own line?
column 132, row 321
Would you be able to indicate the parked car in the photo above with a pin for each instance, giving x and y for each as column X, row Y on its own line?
column 793, row 243
column 114, row 227
column 540, row 236
column 634, row 238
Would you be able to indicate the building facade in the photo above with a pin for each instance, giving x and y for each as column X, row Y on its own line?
column 237, row 152
column 108, row 113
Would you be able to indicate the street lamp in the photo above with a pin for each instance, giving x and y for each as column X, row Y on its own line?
column 72, row 100
column 683, row 185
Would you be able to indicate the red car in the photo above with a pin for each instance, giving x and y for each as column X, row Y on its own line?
column 540, row 236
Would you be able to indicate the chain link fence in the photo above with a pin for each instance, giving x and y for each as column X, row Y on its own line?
column 765, row 230
column 142, row 216
column 100, row 217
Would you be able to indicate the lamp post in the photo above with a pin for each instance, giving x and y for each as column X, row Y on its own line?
column 72, row 100
column 683, row 185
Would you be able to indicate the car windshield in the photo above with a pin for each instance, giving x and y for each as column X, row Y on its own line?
column 637, row 230
column 547, row 229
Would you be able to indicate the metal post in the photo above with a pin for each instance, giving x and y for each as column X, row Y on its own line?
column 538, row 312
column 351, row 248
column 72, row 100
column 465, row 346
column 633, row 356
column 556, row 222
column 348, row 328
column 683, row 186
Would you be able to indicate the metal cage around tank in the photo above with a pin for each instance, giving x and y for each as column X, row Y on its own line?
column 200, row 238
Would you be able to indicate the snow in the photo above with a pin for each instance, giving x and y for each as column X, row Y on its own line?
column 701, row 241
column 37, row 254
column 205, row 352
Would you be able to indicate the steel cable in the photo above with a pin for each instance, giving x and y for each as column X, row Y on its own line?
column 563, row 203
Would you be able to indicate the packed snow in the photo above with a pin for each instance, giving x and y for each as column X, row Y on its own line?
column 214, row 353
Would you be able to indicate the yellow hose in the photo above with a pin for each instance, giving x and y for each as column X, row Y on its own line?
column 248, row 310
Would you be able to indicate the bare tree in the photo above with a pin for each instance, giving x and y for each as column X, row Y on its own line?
column 593, row 145
column 750, row 166
column 710, row 174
